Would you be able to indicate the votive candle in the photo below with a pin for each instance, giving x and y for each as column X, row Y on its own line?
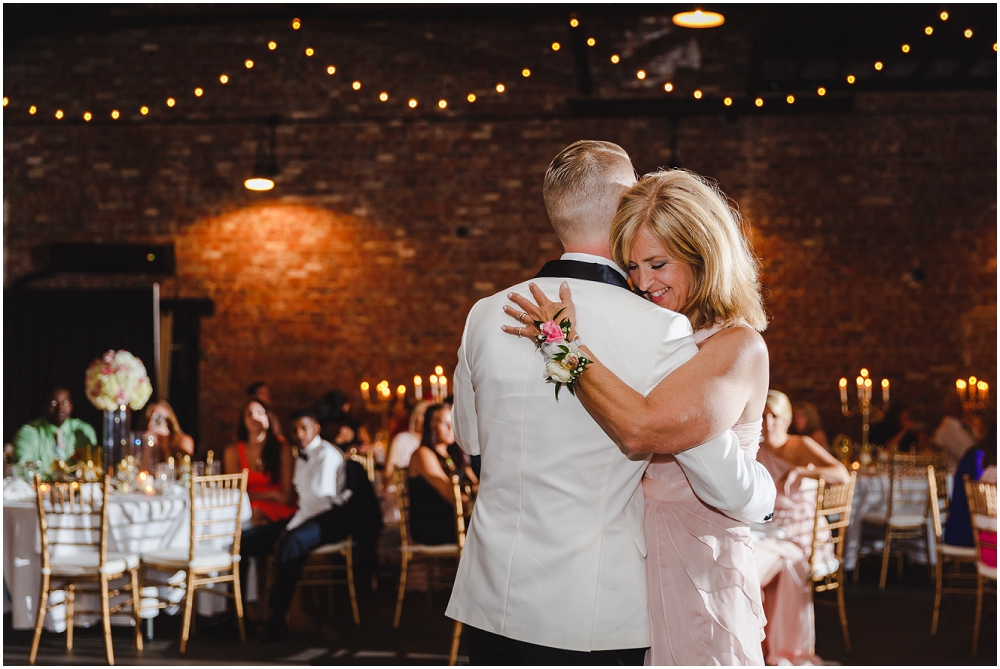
column 843, row 391
column 365, row 391
column 418, row 387
column 885, row 391
column 443, row 385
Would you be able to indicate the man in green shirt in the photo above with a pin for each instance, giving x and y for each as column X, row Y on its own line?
column 53, row 436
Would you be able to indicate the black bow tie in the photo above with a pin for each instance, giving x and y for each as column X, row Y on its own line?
column 303, row 456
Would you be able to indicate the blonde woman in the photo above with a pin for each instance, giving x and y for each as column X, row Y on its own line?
column 684, row 250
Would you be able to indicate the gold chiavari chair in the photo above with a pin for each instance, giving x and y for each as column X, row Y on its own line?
column 324, row 573
column 983, row 513
column 215, row 506
column 947, row 555
column 366, row 460
column 833, row 505
column 907, row 510
column 410, row 550
column 74, row 535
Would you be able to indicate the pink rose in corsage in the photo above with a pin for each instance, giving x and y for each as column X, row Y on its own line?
column 564, row 361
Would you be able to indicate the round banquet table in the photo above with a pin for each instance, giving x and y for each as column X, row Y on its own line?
column 871, row 495
column 136, row 523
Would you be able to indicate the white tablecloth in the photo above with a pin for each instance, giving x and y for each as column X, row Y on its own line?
column 136, row 522
column 871, row 495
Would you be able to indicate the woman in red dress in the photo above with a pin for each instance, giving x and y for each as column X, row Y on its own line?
column 269, row 461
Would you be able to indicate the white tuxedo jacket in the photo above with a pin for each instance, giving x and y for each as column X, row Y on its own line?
column 555, row 548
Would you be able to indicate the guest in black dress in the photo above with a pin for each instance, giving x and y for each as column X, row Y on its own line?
column 432, row 498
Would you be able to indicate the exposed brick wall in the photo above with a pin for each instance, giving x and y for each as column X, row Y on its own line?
column 354, row 267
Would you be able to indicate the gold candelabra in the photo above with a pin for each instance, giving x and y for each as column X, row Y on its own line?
column 381, row 403
column 974, row 393
column 864, row 385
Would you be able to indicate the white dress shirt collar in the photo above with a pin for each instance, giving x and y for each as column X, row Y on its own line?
column 598, row 260
column 312, row 445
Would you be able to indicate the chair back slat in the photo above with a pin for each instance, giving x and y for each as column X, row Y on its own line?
column 907, row 485
column 71, row 516
column 982, row 499
column 937, row 492
column 216, row 504
column 400, row 478
column 459, row 513
column 832, row 517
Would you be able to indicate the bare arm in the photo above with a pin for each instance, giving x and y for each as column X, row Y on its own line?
column 813, row 461
column 231, row 460
column 424, row 464
column 700, row 399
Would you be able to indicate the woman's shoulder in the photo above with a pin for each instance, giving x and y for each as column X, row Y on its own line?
column 738, row 344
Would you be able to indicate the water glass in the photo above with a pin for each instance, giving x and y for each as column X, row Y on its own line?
column 164, row 477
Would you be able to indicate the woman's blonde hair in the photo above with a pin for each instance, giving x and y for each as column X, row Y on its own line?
column 176, row 433
column 779, row 404
column 695, row 223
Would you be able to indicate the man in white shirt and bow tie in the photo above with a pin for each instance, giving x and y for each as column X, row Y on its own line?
column 320, row 483
column 553, row 567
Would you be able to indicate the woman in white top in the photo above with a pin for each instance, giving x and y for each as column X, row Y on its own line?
column 406, row 443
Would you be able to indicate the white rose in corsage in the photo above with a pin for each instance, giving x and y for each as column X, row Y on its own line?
column 564, row 361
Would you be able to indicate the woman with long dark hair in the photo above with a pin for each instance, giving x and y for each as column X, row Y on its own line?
column 268, row 459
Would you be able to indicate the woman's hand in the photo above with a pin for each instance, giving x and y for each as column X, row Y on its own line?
column 544, row 310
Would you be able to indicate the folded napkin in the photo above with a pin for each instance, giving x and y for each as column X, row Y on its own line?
column 16, row 490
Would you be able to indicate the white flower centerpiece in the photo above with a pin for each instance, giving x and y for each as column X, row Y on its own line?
column 117, row 383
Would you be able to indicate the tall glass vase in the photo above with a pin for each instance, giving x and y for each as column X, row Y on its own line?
column 117, row 427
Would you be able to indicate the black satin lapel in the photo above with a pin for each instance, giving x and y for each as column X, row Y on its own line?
column 588, row 271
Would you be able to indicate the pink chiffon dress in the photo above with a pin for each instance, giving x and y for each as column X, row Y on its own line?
column 704, row 593
column 783, row 565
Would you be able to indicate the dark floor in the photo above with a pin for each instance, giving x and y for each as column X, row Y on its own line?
column 891, row 627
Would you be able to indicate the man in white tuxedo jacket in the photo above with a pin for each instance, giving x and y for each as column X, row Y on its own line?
column 552, row 571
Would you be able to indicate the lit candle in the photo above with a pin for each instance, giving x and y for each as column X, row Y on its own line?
column 401, row 391
column 861, row 388
column 418, row 387
column 972, row 388
column 885, row 391
column 868, row 390
column 843, row 391
column 984, row 391
column 960, row 387
column 385, row 389
column 434, row 388
column 364, row 391
column 443, row 385
column 439, row 370
column 864, row 372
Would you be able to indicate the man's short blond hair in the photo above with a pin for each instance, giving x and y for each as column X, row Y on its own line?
column 582, row 188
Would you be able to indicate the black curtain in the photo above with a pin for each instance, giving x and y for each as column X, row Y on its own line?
column 51, row 336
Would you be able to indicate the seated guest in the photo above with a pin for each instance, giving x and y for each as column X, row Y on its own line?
column 895, row 430
column 432, row 497
column 321, row 486
column 806, row 422
column 795, row 463
column 55, row 435
column 269, row 460
column 405, row 443
column 958, row 526
column 952, row 433
column 163, row 426
column 334, row 411
column 259, row 391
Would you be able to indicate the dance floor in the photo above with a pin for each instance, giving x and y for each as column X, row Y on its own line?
column 891, row 627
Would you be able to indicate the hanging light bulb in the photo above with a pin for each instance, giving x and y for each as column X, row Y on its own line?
column 442, row 104
column 591, row 41
column 501, row 88
column 296, row 24
column 699, row 19
column 471, row 97
column 728, row 102
column 412, row 103
column 144, row 110
column 223, row 79
column 272, row 45
column 331, row 69
column 265, row 162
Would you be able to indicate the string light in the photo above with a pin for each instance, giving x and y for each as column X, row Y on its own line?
column 272, row 45
column 821, row 91
column 878, row 65
column 668, row 87
column 573, row 22
column 6, row 101
column 331, row 69
column 501, row 88
column 591, row 41
column 59, row 113
column 296, row 24
column 556, row 46
column 906, row 48
column 759, row 102
column 697, row 95
column 525, row 73
column 171, row 102
column 640, row 75
column 471, row 97
column 32, row 109
column 223, row 79
column 87, row 116
column 728, row 102
column 310, row 51
column 198, row 92
column 248, row 63
column 383, row 96
column 615, row 58
column 968, row 33
column 356, row 85
column 944, row 16
column 790, row 99
column 144, row 110
column 442, row 104
column 851, row 79
column 412, row 103
column 115, row 114
column 929, row 30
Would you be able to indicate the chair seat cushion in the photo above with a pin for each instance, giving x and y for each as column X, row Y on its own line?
column 177, row 558
column 332, row 549
column 443, row 549
column 957, row 551
column 88, row 562
column 898, row 520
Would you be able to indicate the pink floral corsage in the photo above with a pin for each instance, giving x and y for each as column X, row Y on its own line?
column 564, row 361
